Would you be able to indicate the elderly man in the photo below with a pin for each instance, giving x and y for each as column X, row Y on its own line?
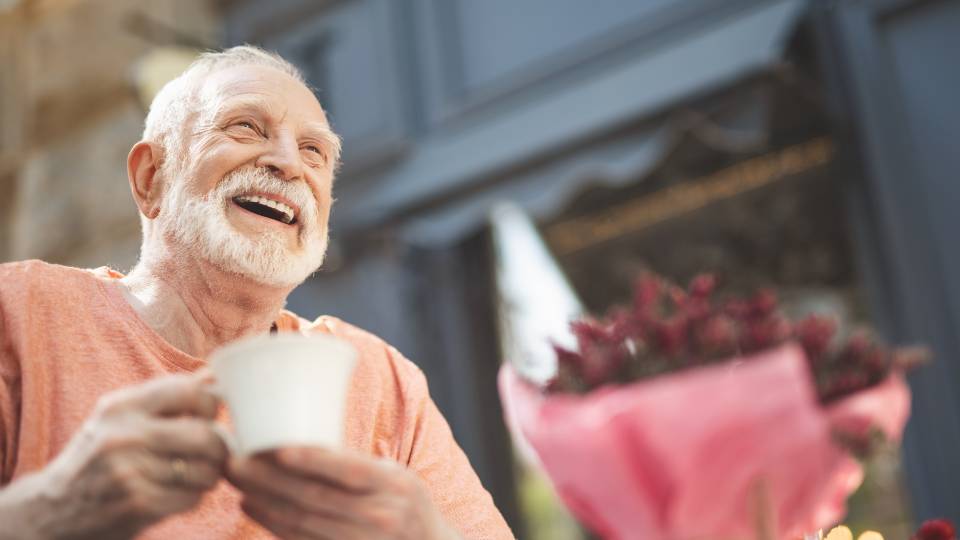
column 107, row 428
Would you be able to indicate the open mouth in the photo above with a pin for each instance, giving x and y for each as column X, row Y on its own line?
column 267, row 208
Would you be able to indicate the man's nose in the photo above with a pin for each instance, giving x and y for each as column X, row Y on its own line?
column 282, row 158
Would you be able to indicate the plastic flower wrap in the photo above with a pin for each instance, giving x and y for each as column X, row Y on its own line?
column 685, row 418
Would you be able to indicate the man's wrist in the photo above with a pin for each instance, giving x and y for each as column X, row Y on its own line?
column 21, row 509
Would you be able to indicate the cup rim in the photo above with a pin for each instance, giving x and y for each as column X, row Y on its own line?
column 284, row 338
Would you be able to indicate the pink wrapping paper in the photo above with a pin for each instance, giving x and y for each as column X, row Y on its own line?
column 885, row 406
column 702, row 454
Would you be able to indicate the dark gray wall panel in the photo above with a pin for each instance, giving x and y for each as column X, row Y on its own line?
column 895, row 81
column 929, row 83
column 350, row 55
column 527, row 33
column 476, row 55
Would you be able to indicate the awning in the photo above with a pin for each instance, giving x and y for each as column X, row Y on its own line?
column 469, row 172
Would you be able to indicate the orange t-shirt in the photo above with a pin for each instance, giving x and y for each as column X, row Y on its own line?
column 68, row 336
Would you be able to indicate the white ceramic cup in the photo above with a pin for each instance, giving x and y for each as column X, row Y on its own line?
column 284, row 390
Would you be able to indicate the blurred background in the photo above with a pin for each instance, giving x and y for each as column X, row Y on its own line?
column 806, row 145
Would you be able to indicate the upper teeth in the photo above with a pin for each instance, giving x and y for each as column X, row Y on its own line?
column 276, row 205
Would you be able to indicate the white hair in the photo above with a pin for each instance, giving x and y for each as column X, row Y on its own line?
column 173, row 105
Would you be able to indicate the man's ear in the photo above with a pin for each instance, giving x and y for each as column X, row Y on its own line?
column 142, row 164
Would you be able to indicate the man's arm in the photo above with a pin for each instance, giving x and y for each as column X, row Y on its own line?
column 147, row 452
column 433, row 453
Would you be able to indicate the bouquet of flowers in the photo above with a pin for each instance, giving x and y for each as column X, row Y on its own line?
column 685, row 417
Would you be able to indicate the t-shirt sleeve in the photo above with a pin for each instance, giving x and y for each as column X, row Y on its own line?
column 437, row 458
column 9, row 399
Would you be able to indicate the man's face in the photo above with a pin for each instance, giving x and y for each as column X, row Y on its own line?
column 253, row 194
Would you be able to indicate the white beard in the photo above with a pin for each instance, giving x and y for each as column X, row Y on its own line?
column 201, row 223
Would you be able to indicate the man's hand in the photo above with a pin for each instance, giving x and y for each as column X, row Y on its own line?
column 315, row 493
column 145, row 453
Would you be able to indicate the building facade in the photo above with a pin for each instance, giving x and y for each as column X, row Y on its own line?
column 802, row 144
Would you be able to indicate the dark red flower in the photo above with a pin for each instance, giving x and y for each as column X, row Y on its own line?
column 602, row 364
column 858, row 345
column 738, row 309
column 702, row 286
column 623, row 324
column 763, row 303
column 602, row 352
column 765, row 333
column 678, row 297
column 647, row 292
column 569, row 371
column 717, row 336
column 567, row 359
column 815, row 334
column 672, row 336
column 669, row 328
column 698, row 309
column 935, row 529
column 590, row 333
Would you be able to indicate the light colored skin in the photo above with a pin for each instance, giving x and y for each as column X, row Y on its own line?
column 116, row 476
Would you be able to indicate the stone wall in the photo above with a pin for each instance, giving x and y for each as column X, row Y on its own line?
column 69, row 113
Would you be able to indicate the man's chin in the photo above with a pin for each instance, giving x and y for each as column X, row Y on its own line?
column 285, row 273
column 281, row 280
column 271, row 265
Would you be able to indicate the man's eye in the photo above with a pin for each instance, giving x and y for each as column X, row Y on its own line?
column 247, row 125
column 316, row 150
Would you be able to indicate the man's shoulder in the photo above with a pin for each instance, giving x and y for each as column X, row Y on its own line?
column 21, row 268
column 32, row 278
column 375, row 355
column 35, row 269
column 338, row 327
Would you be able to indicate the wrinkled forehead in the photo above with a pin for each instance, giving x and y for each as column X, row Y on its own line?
column 264, row 87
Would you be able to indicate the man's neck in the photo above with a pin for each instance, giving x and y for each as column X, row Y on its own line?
column 197, row 307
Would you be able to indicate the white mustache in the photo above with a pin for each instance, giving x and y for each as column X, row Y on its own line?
column 243, row 181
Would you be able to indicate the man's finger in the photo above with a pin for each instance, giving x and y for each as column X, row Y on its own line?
column 158, row 501
column 271, row 520
column 177, row 473
column 289, row 522
column 173, row 395
column 261, row 476
column 353, row 472
column 186, row 437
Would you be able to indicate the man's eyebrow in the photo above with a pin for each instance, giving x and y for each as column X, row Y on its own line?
column 325, row 136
